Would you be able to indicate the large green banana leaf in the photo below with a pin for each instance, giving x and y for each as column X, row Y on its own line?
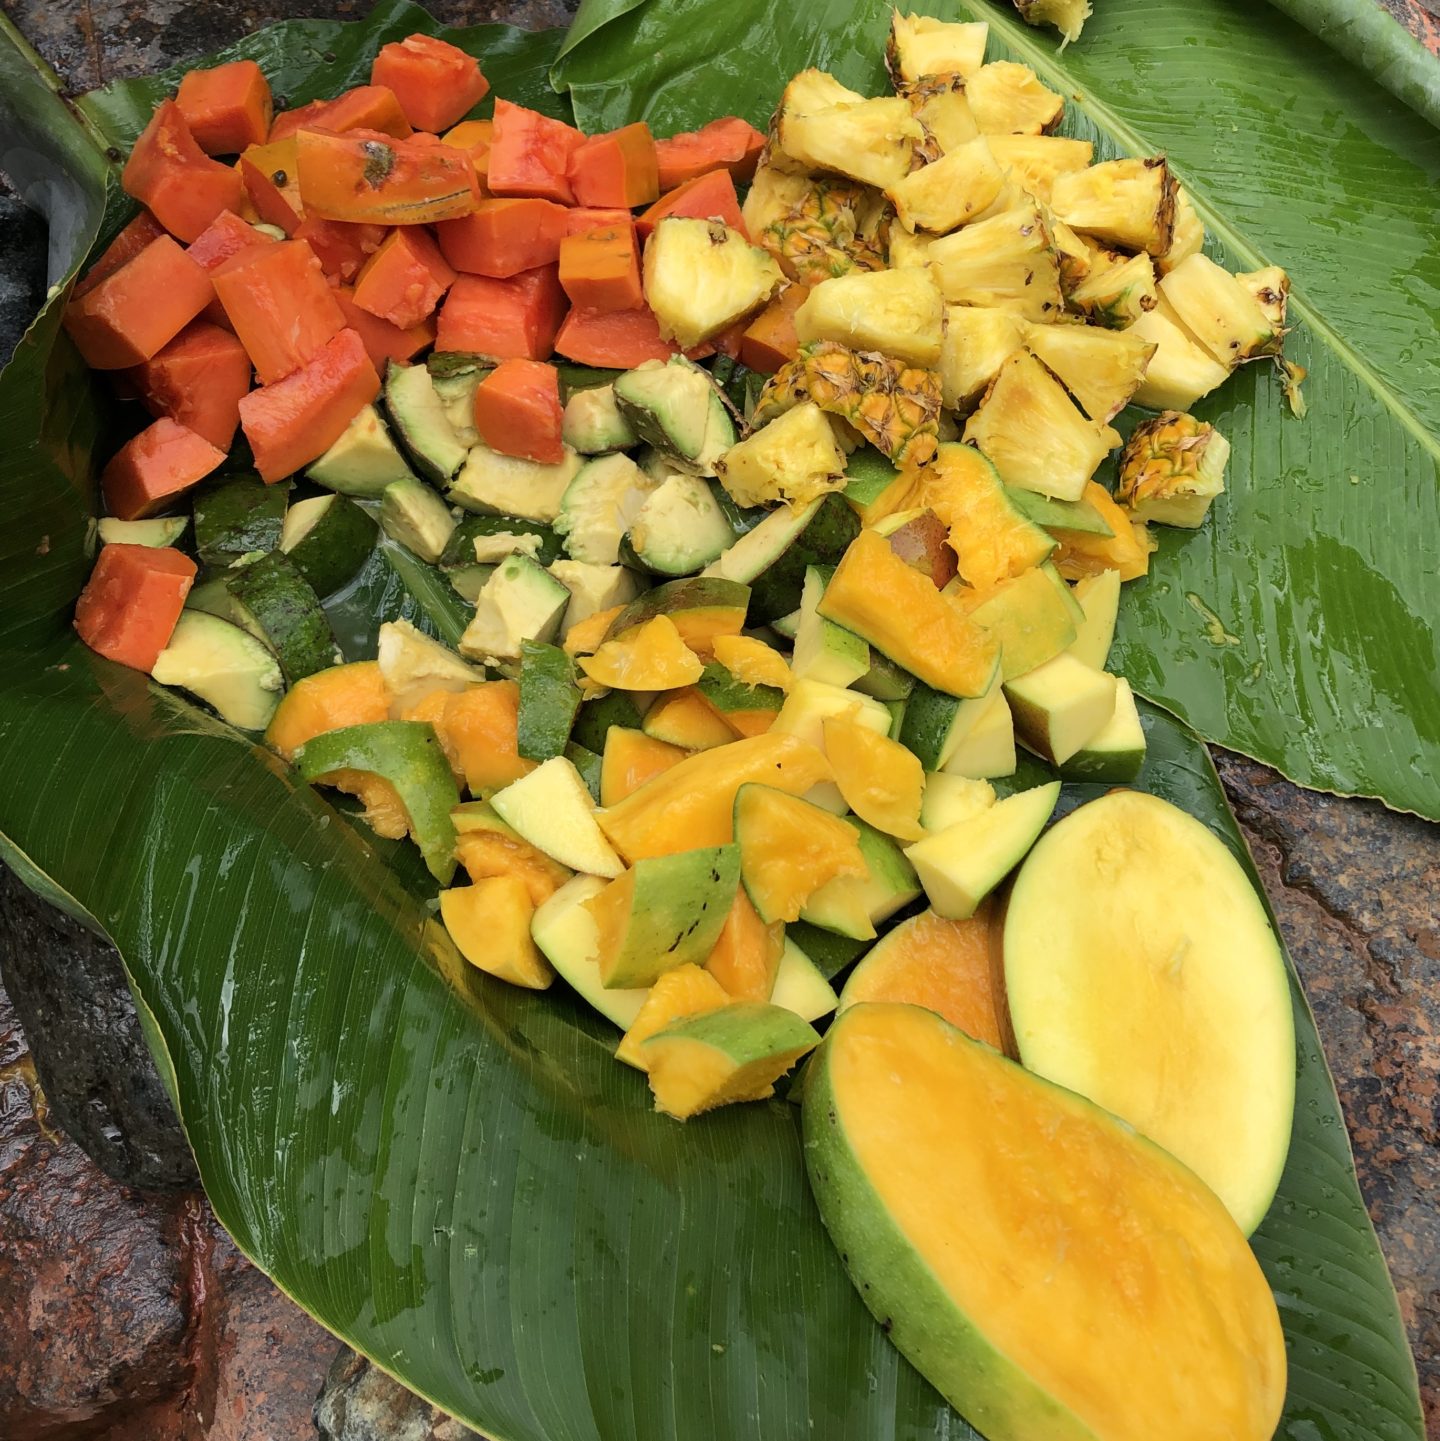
column 453, row 1175
column 1300, row 624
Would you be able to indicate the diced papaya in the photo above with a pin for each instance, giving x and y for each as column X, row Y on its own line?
column 384, row 342
column 197, row 381
column 128, row 609
column 296, row 420
column 142, row 306
column 504, row 237
column 617, row 169
column 518, row 410
column 708, row 197
column 340, row 247
column 581, row 219
column 270, row 179
column 366, row 107
column 367, row 176
column 157, row 465
column 435, row 82
column 228, row 107
column 530, row 154
column 174, row 178
column 514, row 319
column 769, row 340
column 729, row 141
column 281, row 307
column 473, row 137
column 123, row 249
column 405, row 278
column 600, row 270
column 618, row 339
column 226, row 236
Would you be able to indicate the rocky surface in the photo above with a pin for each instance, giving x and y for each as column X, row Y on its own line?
column 139, row 1319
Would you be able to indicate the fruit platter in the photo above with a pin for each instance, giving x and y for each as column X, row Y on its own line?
column 632, row 662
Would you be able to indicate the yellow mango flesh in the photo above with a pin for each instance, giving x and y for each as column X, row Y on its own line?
column 653, row 656
column 684, row 718
column 747, row 955
column 949, row 967
column 1111, row 1296
column 1127, row 551
column 685, row 991
column 632, row 758
column 789, row 849
column 882, row 782
column 490, row 925
column 752, row 662
column 493, row 853
column 478, row 727
column 693, row 803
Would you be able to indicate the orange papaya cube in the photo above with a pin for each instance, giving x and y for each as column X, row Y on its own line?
column 271, row 184
column 123, row 249
column 143, row 305
column 435, row 82
column 530, row 154
column 384, row 342
column 581, row 219
column 366, row 176
column 366, row 107
column 296, row 420
column 601, row 270
column 505, row 236
column 511, row 319
column 404, row 280
column 226, row 236
column 708, row 197
column 518, row 410
column 617, row 168
column 279, row 304
column 128, row 609
column 156, row 466
column 227, row 108
column 729, row 142
column 183, row 188
column 197, row 381
column 473, row 137
column 341, row 248
column 619, row 339
column 769, row 340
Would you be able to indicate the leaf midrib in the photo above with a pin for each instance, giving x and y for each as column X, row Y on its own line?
column 1127, row 136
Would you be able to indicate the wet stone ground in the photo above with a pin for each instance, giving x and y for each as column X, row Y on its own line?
column 135, row 1319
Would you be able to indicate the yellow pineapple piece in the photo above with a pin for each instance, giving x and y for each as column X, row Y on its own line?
column 1187, row 235
column 893, row 405
column 978, row 341
column 897, row 312
column 1172, row 467
column 1102, row 369
column 938, row 102
column 701, row 277
column 1035, row 161
column 1008, row 261
column 1126, row 203
column 1008, row 99
column 873, row 141
column 944, row 195
column 1116, row 291
column 794, row 459
column 920, row 45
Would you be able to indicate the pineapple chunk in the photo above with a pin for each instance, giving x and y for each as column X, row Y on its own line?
column 1077, row 259
column 872, row 141
column 774, row 193
column 1035, row 161
column 1180, row 370
column 1067, row 16
column 1126, row 203
column 944, row 195
column 938, row 102
column 795, row 459
column 1009, row 261
column 1218, row 311
column 1033, row 434
column 1187, row 235
column 1116, row 291
column 812, row 90
column 701, row 277
column 896, row 407
column 898, row 312
column 1271, row 289
column 1102, row 369
column 818, row 237
column 1172, row 467
column 906, row 251
column 1008, row 99
column 978, row 341
column 919, row 45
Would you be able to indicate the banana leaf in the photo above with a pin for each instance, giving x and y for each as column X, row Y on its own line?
column 453, row 1175
column 1299, row 624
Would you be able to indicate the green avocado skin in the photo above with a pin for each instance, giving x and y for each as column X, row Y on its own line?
column 947, row 1347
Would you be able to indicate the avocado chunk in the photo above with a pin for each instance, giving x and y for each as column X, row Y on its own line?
column 419, row 417
column 521, row 601
column 412, row 664
column 674, row 406
column 457, row 400
column 593, row 425
column 236, row 517
column 665, row 911
column 593, row 588
column 224, row 666
column 412, row 515
column 363, row 461
column 511, row 485
column 679, row 529
column 329, row 538
column 158, row 532
column 276, row 604
column 600, row 505
column 488, row 539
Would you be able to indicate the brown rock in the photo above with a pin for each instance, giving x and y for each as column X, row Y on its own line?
column 361, row 1403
